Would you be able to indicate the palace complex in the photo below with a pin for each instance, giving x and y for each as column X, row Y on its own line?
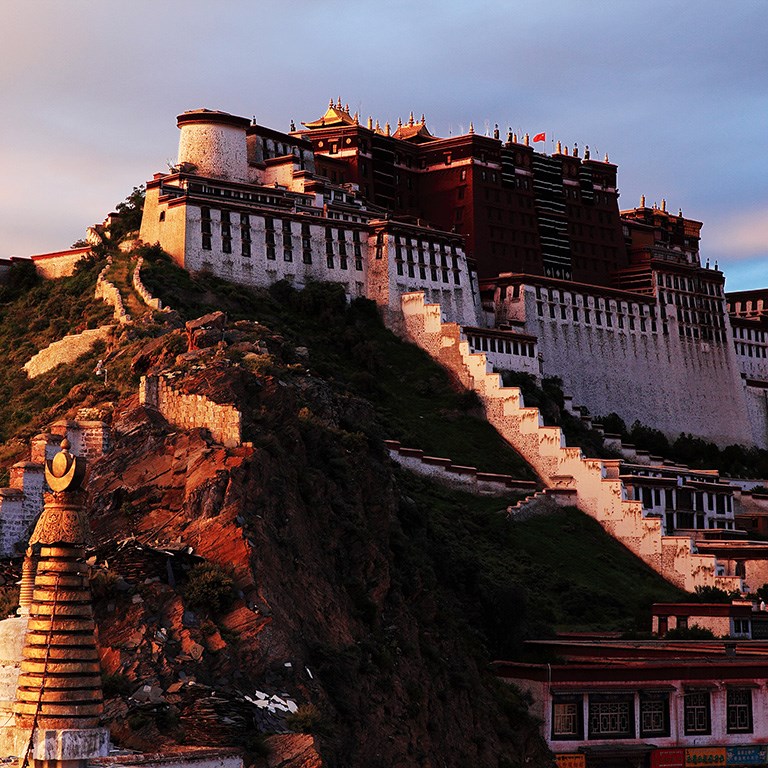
column 529, row 252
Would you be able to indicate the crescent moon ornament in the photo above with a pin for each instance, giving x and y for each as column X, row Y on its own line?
column 65, row 472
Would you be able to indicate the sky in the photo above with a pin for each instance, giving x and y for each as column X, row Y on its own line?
column 675, row 92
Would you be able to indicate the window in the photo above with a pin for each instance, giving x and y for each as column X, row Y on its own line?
column 611, row 716
column 567, row 717
column 654, row 714
column 245, row 235
column 287, row 241
column 306, row 244
column 739, row 706
column 269, row 236
column 696, row 712
column 205, row 227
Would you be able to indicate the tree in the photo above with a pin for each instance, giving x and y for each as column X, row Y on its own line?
column 130, row 211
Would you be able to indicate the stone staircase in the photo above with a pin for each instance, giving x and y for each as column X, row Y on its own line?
column 599, row 491
column 22, row 501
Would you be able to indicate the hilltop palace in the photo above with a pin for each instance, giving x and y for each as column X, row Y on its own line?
column 528, row 252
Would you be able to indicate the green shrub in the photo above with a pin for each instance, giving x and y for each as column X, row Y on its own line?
column 209, row 586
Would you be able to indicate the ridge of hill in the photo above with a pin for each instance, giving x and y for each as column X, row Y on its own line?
column 318, row 571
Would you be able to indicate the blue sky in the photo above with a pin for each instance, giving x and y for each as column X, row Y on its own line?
column 675, row 92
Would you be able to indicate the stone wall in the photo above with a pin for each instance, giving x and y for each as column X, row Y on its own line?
column 599, row 490
column 142, row 290
column 65, row 350
column 108, row 292
column 224, row 422
column 454, row 475
column 60, row 264
column 623, row 354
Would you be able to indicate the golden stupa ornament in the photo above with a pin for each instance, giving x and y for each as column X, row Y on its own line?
column 65, row 472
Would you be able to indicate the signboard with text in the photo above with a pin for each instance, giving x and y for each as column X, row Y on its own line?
column 571, row 760
column 704, row 757
column 751, row 755
column 668, row 758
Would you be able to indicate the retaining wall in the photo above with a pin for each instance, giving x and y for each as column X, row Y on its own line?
column 65, row 350
column 599, row 491
column 187, row 411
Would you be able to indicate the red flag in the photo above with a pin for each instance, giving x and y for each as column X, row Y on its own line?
column 540, row 137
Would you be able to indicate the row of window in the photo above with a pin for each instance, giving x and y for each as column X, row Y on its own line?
column 688, row 284
column 684, row 498
column 750, row 350
column 643, row 323
column 502, row 346
column 613, row 715
column 750, row 334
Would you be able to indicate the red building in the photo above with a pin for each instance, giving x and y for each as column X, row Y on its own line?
column 519, row 210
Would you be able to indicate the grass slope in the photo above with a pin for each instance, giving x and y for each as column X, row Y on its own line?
column 415, row 398
column 523, row 579
column 33, row 314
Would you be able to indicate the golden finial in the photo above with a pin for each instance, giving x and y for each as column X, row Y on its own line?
column 338, row 104
column 410, row 119
column 346, row 108
column 514, row 138
column 65, row 472
column 399, row 123
column 527, row 140
column 386, row 128
column 471, row 127
column 606, row 160
column 370, row 123
column 423, row 119
column 642, row 201
column 330, row 103
column 357, row 119
column 558, row 148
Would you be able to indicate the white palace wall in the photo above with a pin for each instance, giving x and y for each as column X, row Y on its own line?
column 638, row 371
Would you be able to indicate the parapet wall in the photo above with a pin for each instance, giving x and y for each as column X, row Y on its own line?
column 599, row 490
column 108, row 292
column 187, row 411
column 142, row 290
column 455, row 475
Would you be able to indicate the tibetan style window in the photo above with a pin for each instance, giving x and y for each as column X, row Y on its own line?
column 359, row 252
column 567, row 718
column 245, row 234
column 611, row 716
column 287, row 241
column 306, row 244
column 226, row 232
column 269, row 237
column 739, row 710
column 697, row 713
column 654, row 714
column 329, row 247
column 342, row 249
column 205, row 228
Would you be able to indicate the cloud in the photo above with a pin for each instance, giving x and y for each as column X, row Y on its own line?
column 741, row 235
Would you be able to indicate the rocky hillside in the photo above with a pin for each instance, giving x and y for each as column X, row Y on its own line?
column 300, row 582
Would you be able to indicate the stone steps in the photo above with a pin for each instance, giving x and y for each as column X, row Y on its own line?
column 595, row 484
